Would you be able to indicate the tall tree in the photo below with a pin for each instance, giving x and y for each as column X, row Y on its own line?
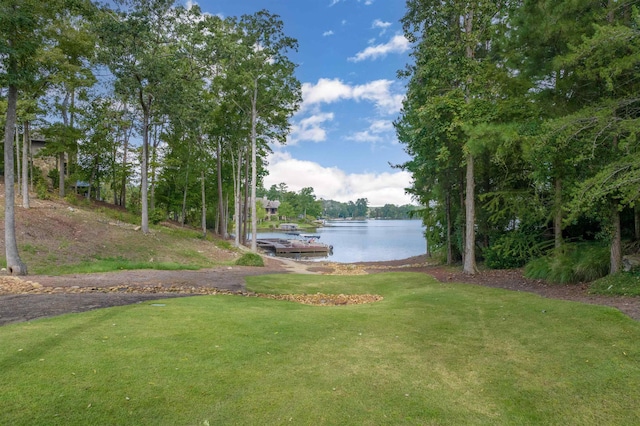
column 21, row 25
column 450, row 92
column 267, row 89
column 606, row 127
column 137, row 47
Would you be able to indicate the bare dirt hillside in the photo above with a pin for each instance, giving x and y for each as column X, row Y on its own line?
column 54, row 232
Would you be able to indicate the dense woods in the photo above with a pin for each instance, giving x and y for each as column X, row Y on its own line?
column 521, row 119
column 159, row 108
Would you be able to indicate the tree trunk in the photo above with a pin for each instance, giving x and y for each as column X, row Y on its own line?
column 236, row 195
column 616, row 241
column 254, row 169
column 15, row 266
column 470, row 267
column 186, row 187
column 61, row 181
column 245, row 203
column 144, row 164
column 17, row 160
column 448, row 224
column 204, row 206
column 125, row 150
column 154, row 159
column 222, row 226
column 28, row 130
column 25, row 166
column 557, row 213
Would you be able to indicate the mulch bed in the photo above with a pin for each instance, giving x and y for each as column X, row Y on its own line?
column 46, row 296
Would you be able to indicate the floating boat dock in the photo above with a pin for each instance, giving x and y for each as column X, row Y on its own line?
column 282, row 246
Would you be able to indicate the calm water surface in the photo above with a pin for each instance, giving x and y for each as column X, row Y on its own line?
column 369, row 241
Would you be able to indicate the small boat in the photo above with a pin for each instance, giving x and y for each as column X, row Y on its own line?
column 310, row 236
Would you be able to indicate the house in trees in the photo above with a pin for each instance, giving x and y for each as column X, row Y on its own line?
column 270, row 207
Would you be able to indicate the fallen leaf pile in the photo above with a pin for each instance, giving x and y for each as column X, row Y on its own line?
column 14, row 285
column 345, row 269
column 320, row 299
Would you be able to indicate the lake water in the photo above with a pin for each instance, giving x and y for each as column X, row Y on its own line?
column 368, row 241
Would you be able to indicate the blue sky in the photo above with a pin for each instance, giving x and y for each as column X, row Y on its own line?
column 342, row 139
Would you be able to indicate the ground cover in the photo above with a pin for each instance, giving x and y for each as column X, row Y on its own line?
column 427, row 353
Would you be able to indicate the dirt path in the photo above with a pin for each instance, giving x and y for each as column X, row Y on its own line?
column 46, row 296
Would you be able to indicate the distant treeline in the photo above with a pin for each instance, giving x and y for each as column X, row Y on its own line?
column 304, row 203
column 359, row 209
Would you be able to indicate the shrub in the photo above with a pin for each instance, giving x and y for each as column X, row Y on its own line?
column 250, row 259
column 511, row 250
column 156, row 216
column 571, row 263
column 223, row 244
column 42, row 191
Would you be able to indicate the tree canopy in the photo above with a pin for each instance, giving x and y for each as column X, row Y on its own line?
column 541, row 99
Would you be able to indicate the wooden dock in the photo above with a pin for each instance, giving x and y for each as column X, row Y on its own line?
column 282, row 246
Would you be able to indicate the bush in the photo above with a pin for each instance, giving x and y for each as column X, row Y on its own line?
column 223, row 244
column 156, row 216
column 511, row 250
column 250, row 259
column 75, row 200
column 42, row 191
column 571, row 263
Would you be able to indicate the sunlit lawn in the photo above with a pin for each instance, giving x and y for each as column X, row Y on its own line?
column 429, row 353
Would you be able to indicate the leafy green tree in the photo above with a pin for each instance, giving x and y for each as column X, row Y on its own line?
column 286, row 210
column 26, row 27
column 606, row 126
column 267, row 90
column 451, row 91
column 137, row 47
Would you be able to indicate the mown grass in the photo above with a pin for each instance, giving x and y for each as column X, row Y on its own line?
column 429, row 353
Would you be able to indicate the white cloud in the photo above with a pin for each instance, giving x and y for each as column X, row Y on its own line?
column 327, row 91
column 365, row 136
column 375, row 133
column 380, row 126
column 309, row 129
column 380, row 93
column 381, row 25
column 334, row 2
column 327, row 33
column 398, row 44
column 332, row 183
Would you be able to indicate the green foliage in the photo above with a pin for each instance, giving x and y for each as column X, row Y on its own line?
column 620, row 284
column 250, row 259
column 74, row 200
column 54, row 175
column 512, row 249
column 156, row 216
column 571, row 263
column 223, row 244
column 42, row 191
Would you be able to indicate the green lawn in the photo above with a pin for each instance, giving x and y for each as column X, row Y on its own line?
column 429, row 353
